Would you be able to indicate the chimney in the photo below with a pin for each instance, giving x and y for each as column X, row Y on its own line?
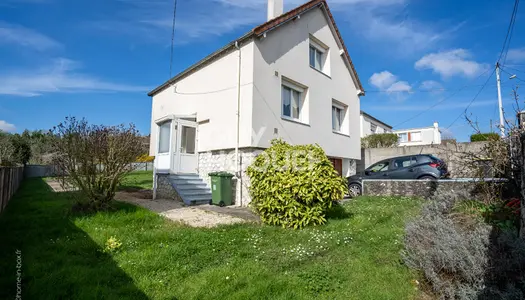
column 275, row 9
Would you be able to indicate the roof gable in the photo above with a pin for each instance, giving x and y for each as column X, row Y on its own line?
column 288, row 16
column 261, row 30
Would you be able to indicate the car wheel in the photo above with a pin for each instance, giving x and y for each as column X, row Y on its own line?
column 427, row 177
column 354, row 190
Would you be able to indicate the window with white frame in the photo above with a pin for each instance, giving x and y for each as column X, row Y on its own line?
column 164, row 137
column 373, row 128
column 338, row 117
column 316, row 58
column 318, row 55
column 415, row 136
column 403, row 137
column 292, row 100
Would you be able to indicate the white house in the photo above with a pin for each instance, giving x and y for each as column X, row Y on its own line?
column 289, row 78
column 371, row 125
column 419, row 136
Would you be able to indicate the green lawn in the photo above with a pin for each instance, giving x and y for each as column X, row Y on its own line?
column 355, row 256
column 138, row 180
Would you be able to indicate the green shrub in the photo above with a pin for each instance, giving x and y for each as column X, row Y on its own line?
column 379, row 140
column 462, row 257
column 294, row 186
column 483, row 137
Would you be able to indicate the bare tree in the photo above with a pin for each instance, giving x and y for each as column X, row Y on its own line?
column 94, row 158
column 506, row 154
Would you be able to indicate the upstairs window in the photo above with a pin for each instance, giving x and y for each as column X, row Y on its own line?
column 292, row 102
column 316, row 58
column 319, row 56
column 337, row 118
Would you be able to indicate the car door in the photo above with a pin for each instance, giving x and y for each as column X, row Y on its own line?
column 378, row 170
column 402, row 168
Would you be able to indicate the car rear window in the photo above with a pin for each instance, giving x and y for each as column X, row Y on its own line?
column 404, row 162
column 427, row 158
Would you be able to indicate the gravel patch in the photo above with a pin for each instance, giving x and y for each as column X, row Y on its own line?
column 196, row 216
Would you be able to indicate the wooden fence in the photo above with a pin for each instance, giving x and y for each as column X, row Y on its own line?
column 10, row 179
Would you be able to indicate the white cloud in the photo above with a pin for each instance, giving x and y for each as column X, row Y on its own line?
column 430, row 85
column 451, row 63
column 516, row 55
column 391, row 23
column 407, row 36
column 386, row 81
column 382, row 80
column 153, row 19
column 382, row 22
column 6, row 127
column 400, row 86
column 19, row 35
column 61, row 77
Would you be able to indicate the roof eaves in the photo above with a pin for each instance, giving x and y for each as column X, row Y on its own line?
column 201, row 63
column 260, row 30
column 331, row 17
column 377, row 120
column 282, row 19
column 286, row 17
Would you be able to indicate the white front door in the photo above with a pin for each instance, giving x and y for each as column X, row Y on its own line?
column 185, row 159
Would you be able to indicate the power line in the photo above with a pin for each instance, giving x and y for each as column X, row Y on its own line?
column 426, row 90
column 442, row 100
column 510, row 29
column 515, row 77
column 209, row 92
column 473, row 99
column 504, row 49
column 173, row 36
column 507, row 67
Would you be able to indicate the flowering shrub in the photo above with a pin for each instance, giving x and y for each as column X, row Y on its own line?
column 112, row 245
column 145, row 158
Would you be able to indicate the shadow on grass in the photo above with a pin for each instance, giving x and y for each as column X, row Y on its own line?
column 58, row 260
column 134, row 186
column 338, row 212
column 505, row 273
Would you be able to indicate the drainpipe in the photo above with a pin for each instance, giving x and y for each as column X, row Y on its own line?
column 237, row 160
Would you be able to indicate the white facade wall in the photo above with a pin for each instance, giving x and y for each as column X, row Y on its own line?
column 284, row 52
column 211, row 94
column 366, row 124
column 429, row 136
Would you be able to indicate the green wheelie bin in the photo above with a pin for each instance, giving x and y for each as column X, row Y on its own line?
column 221, row 188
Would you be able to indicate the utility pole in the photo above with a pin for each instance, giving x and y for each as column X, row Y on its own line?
column 501, row 121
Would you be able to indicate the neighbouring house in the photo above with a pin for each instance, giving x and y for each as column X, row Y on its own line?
column 290, row 77
column 371, row 125
column 419, row 136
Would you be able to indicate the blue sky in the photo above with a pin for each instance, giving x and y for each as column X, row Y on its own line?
column 97, row 59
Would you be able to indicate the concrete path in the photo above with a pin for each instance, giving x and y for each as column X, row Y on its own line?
column 195, row 216
column 57, row 187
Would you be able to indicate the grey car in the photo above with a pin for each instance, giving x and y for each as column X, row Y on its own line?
column 422, row 166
